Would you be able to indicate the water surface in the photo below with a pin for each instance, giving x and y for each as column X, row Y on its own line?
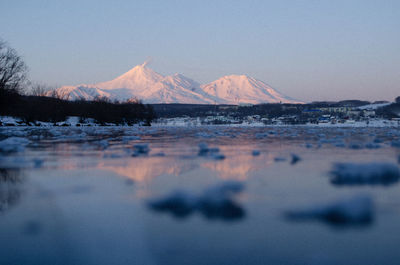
column 78, row 196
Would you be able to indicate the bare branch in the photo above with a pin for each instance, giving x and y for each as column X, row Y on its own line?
column 12, row 69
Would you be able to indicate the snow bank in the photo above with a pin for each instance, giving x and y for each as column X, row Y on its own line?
column 357, row 210
column 214, row 203
column 364, row 173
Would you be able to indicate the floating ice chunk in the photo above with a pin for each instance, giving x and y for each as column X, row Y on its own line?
column 214, row 203
column 372, row 146
column 279, row 159
column 179, row 203
column 112, row 155
column 213, row 153
column 203, row 149
column 255, row 152
column 355, row 146
column 19, row 133
column 140, row 149
column 261, row 135
column 340, row 144
column 327, row 141
column 365, row 173
column 37, row 163
column 218, row 156
column 396, row 144
column 295, row 159
column 126, row 138
column 357, row 210
column 204, row 135
column 13, row 144
column 55, row 132
column 103, row 143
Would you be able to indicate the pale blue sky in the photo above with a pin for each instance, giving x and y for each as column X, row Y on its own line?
column 309, row 50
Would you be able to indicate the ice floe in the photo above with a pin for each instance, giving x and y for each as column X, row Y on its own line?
column 103, row 143
column 357, row 210
column 261, row 135
column 364, row 173
column 13, row 144
column 127, row 138
column 140, row 150
column 216, row 202
column 279, row 159
column 372, row 146
column 159, row 154
column 355, row 146
column 295, row 159
column 209, row 152
column 396, row 144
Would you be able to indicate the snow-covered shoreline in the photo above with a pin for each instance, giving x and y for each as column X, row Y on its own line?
column 195, row 122
column 6, row 121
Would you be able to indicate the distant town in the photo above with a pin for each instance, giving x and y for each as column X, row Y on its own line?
column 347, row 112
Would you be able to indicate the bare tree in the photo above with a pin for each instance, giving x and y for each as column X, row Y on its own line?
column 12, row 69
column 63, row 95
column 39, row 89
column 133, row 100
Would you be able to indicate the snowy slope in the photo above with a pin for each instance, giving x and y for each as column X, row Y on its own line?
column 143, row 83
column 374, row 106
column 78, row 92
column 237, row 89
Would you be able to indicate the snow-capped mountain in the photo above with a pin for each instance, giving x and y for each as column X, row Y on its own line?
column 238, row 89
column 143, row 83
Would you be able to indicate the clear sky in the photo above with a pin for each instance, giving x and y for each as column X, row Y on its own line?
column 309, row 50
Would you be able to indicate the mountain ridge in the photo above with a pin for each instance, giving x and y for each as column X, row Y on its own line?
column 143, row 83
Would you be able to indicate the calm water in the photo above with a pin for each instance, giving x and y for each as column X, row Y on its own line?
column 78, row 196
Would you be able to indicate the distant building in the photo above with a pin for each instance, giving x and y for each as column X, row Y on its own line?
column 245, row 104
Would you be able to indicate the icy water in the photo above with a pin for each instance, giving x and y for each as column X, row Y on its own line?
column 83, row 196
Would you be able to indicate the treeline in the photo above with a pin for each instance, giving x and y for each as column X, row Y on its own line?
column 47, row 109
column 272, row 110
column 13, row 102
